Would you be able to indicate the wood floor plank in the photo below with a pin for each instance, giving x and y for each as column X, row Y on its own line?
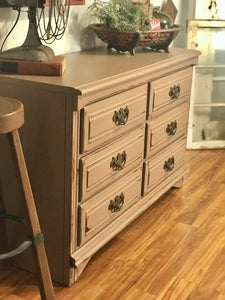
column 173, row 251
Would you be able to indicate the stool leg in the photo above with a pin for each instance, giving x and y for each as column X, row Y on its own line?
column 4, row 246
column 45, row 283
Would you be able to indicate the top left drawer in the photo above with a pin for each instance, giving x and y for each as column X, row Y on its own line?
column 112, row 116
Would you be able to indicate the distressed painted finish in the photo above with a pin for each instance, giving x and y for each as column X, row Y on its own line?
column 69, row 173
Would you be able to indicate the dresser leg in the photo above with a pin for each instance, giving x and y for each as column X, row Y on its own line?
column 80, row 268
column 179, row 183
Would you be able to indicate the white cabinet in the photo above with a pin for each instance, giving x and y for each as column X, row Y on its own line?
column 207, row 111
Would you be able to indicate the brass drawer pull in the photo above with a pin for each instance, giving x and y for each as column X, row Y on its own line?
column 171, row 128
column 174, row 92
column 121, row 117
column 169, row 164
column 118, row 162
column 116, row 204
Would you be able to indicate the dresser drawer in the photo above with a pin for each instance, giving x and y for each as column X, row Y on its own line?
column 109, row 118
column 110, row 162
column 167, row 128
column 109, row 204
column 164, row 165
column 169, row 90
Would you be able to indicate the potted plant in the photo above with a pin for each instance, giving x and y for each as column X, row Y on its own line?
column 120, row 23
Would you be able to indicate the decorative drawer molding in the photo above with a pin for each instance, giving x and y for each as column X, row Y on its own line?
column 106, row 165
column 109, row 204
column 169, row 90
column 167, row 128
column 106, row 119
column 164, row 165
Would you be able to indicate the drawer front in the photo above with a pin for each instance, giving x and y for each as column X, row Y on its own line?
column 109, row 204
column 108, row 118
column 167, row 128
column 169, row 90
column 164, row 165
column 110, row 162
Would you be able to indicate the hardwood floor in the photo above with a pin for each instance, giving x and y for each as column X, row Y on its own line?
column 175, row 250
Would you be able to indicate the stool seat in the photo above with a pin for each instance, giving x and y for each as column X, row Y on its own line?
column 11, row 114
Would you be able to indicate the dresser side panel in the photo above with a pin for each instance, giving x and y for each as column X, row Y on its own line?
column 43, row 139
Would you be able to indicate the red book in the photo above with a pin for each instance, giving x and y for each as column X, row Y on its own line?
column 54, row 67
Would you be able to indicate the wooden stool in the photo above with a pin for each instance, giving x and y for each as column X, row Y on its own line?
column 11, row 118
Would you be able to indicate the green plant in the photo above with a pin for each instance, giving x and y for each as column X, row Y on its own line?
column 120, row 14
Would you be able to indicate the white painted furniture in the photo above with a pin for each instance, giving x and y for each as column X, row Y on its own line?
column 207, row 110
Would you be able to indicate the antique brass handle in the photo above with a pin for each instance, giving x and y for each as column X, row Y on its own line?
column 116, row 204
column 171, row 128
column 169, row 164
column 118, row 162
column 174, row 92
column 121, row 117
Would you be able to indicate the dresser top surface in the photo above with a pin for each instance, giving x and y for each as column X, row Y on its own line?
column 85, row 67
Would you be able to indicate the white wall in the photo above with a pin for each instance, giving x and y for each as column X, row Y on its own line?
column 78, row 35
column 202, row 11
column 186, row 10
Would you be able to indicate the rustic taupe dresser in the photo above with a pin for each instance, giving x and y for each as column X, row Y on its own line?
column 102, row 143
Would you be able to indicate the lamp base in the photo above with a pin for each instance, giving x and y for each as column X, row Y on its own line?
column 29, row 53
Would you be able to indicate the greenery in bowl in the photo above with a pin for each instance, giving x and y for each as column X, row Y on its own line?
column 120, row 14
